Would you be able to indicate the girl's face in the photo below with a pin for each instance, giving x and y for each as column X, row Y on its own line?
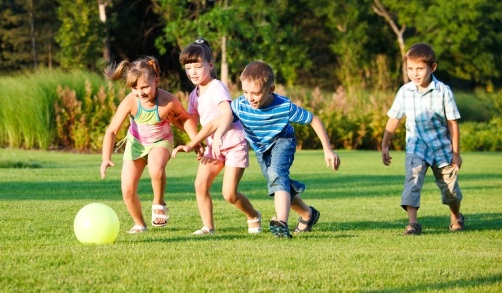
column 420, row 73
column 199, row 73
column 145, row 90
column 256, row 95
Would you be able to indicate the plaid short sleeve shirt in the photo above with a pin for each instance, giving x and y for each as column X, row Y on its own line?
column 427, row 134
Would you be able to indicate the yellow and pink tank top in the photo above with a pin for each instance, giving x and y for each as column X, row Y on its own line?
column 147, row 131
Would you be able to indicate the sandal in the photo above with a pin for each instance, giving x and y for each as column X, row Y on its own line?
column 279, row 229
column 258, row 229
column 314, row 217
column 204, row 231
column 137, row 229
column 459, row 222
column 156, row 217
column 413, row 229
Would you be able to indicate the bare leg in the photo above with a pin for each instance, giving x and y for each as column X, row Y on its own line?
column 412, row 214
column 131, row 173
column 207, row 172
column 299, row 206
column 231, row 181
column 282, row 203
column 455, row 215
column 157, row 162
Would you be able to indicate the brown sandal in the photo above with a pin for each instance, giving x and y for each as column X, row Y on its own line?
column 459, row 222
column 413, row 229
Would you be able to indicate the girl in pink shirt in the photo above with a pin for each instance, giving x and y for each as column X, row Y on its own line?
column 208, row 101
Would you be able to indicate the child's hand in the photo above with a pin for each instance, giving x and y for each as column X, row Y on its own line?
column 216, row 146
column 184, row 148
column 456, row 161
column 386, row 158
column 199, row 150
column 332, row 160
column 172, row 117
column 104, row 165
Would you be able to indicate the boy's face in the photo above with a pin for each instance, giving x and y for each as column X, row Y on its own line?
column 256, row 95
column 420, row 73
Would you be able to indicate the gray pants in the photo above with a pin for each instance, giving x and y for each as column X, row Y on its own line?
column 446, row 180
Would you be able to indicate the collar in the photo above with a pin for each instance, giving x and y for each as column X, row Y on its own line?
column 433, row 85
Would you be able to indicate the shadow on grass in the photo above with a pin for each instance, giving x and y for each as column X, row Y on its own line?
column 450, row 284
column 430, row 224
column 177, row 189
column 221, row 235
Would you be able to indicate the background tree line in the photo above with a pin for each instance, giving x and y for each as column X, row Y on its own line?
column 354, row 43
column 340, row 59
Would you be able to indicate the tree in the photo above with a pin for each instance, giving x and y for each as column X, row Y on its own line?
column 465, row 34
column 380, row 10
column 251, row 30
column 79, row 35
column 23, row 26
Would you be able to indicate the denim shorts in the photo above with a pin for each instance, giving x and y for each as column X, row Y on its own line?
column 445, row 177
column 275, row 164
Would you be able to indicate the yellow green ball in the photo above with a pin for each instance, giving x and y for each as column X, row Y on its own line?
column 96, row 223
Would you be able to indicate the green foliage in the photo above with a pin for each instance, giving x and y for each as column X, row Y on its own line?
column 475, row 136
column 71, row 110
column 81, row 121
column 352, row 122
column 254, row 30
column 357, row 245
column 60, row 110
column 463, row 34
column 79, row 33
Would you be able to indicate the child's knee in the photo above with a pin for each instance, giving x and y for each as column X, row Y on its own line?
column 230, row 196
column 450, row 197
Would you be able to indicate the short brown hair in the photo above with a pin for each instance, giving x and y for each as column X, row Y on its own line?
column 421, row 52
column 259, row 72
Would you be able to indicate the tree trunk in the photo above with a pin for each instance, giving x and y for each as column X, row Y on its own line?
column 32, row 32
column 224, row 64
column 380, row 10
column 102, row 18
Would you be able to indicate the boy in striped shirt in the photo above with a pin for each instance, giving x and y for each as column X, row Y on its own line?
column 266, row 118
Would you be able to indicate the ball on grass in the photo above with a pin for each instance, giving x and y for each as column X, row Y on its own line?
column 96, row 223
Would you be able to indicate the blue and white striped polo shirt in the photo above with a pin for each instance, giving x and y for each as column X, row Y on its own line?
column 265, row 125
column 427, row 134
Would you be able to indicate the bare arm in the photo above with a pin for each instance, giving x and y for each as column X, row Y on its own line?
column 390, row 129
column 218, row 126
column 455, row 142
column 330, row 157
column 226, row 118
column 123, row 111
column 206, row 131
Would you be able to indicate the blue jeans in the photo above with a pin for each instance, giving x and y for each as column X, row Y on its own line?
column 275, row 164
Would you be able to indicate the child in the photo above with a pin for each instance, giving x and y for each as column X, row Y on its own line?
column 266, row 118
column 209, row 100
column 149, row 140
column 432, row 136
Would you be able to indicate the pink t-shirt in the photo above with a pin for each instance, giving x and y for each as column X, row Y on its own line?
column 207, row 108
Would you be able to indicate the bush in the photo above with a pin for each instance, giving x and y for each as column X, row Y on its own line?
column 71, row 110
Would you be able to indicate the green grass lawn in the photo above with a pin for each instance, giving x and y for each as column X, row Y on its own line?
column 357, row 245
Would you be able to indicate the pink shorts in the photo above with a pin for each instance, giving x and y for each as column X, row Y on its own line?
column 235, row 156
